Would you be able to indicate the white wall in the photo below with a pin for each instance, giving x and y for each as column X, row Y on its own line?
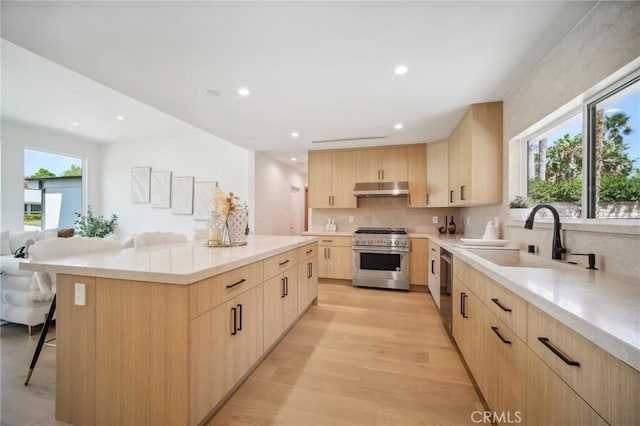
column 604, row 42
column 15, row 138
column 273, row 182
column 198, row 154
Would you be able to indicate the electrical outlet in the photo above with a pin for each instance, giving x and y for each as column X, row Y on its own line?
column 434, row 219
column 350, row 219
column 468, row 221
column 80, row 294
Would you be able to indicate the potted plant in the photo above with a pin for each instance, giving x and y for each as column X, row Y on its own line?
column 520, row 207
column 90, row 225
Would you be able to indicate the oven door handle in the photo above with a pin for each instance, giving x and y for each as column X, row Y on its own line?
column 390, row 250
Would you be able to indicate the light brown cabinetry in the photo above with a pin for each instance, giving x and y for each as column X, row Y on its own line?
column 418, row 257
column 434, row 271
column 307, row 276
column 381, row 164
column 332, row 177
column 437, row 174
column 475, row 157
column 335, row 258
column 417, row 172
column 281, row 304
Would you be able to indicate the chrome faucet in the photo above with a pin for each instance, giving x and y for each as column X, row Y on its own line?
column 556, row 249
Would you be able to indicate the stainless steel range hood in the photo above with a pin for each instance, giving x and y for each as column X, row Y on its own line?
column 381, row 189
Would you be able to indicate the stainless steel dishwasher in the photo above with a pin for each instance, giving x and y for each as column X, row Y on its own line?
column 446, row 287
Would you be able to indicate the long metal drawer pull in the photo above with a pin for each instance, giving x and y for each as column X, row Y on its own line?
column 504, row 308
column 451, row 196
column 327, row 241
column 495, row 330
column 545, row 341
column 239, row 305
column 309, row 270
column 282, row 287
column 234, row 331
column 309, row 251
column 235, row 284
column 463, row 308
column 283, row 263
column 433, row 262
column 286, row 286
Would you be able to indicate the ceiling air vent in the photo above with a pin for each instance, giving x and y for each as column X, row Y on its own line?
column 363, row 138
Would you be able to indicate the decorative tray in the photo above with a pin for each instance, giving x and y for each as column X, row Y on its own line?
column 243, row 243
column 482, row 242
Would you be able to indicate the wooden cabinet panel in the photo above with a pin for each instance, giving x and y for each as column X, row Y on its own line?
column 335, row 258
column 290, row 301
column 511, row 309
column 437, row 174
column 211, row 358
column 307, row 251
column 280, row 263
column 506, row 365
column 320, row 172
column 418, row 259
column 550, row 401
column 280, row 304
column 434, row 272
column 381, row 164
column 368, row 165
column 249, row 339
column 307, row 282
column 417, row 175
column 207, row 294
column 343, row 180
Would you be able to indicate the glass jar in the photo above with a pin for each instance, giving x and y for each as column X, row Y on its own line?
column 218, row 231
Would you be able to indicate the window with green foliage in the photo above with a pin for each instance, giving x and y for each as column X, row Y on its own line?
column 597, row 176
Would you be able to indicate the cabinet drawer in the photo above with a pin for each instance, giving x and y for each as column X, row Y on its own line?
column 280, row 263
column 582, row 365
column 207, row 294
column 307, row 251
column 334, row 241
column 507, row 306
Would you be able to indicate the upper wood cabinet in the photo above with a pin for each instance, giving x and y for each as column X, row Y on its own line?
column 437, row 189
column 417, row 173
column 381, row 164
column 332, row 176
column 475, row 157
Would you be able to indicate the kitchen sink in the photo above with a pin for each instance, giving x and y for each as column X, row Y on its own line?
column 513, row 258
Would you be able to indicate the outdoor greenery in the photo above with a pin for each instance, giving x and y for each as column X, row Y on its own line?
column 90, row 225
column 43, row 173
column 619, row 179
column 519, row 202
column 73, row 170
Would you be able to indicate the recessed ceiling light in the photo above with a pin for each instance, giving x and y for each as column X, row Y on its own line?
column 243, row 91
column 75, row 123
column 401, row 69
column 398, row 126
column 294, row 134
column 119, row 118
column 293, row 158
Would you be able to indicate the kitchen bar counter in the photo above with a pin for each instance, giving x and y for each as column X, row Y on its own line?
column 179, row 263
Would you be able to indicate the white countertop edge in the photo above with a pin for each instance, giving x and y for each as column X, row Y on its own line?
column 56, row 266
column 621, row 349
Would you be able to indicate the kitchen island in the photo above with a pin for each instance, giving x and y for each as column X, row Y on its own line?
column 166, row 333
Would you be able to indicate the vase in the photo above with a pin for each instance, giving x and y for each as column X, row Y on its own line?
column 520, row 214
column 218, row 231
column 237, row 222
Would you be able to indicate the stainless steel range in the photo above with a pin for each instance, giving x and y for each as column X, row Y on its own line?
column 381, row 258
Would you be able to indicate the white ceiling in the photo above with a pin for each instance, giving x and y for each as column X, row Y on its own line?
column 322, row 69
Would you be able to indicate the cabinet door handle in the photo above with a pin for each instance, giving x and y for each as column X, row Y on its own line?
column 427, row 199
column 239, row 305
column 309, row 270
column 451, row 196
column 283, row 263
column 282, row 287
column 309, row 251
column 495, row 330
column 462, row 192
column 235, row 284
column 504, row 308
column 433, row 263
column 286, row 286
column 233, row 321
column 328, row 253
column 327, row 241
column 382, row 174
column 545, row 341
column 378, row 174
column 463, row 301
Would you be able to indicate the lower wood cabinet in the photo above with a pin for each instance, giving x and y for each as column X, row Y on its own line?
column 550, row 401
column 418, row 257
column 307, row 282
column 281, row 304
column 224, row 343
column 335, row 258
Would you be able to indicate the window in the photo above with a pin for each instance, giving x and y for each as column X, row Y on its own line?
column 554, row 167
column 614, row 153
column 592, row 177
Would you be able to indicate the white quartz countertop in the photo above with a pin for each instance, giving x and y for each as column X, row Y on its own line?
column 179, row 263
column 602, row 307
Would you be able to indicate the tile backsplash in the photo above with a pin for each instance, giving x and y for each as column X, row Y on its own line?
column 385, row 212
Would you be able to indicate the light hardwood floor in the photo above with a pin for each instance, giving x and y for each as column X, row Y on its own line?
column 360, row 357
